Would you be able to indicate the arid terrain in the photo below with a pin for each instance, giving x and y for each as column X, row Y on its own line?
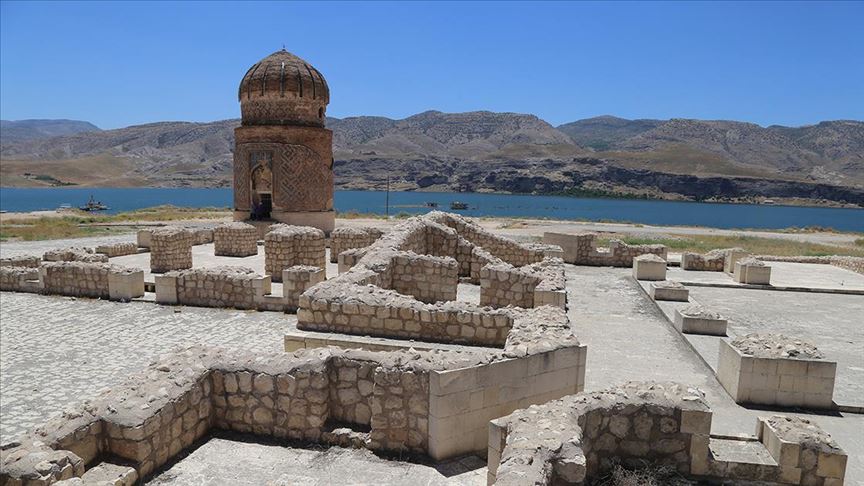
column 475, row 151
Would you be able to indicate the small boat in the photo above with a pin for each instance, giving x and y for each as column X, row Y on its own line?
column 458, row 205
column 94, row 205
column 64, row 206
column 431, row 204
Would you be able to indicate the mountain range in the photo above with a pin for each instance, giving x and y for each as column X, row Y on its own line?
column 475, row 151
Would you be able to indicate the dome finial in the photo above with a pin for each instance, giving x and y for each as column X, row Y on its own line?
column 283, row 47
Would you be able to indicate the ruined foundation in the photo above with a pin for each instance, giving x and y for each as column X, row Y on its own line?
column 581, row 249
column 235, row 240
column 342, row 239
column 170, row 249
column 286, row 246
column 772, row 369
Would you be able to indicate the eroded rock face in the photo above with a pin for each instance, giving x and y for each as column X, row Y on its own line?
column 776, row 346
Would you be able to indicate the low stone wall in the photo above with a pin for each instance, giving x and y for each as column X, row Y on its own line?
column 579, row 438
column 74, row 254
column 117, row 249
column 752, row 271
column 855, row 264
column 21, row 261
column 295, row 281
column 157, row 413
column 224, row 286
column 533, row 285
column 342, row 239
column 170, row 249
column 98, row 280
column 581, row 249
column 286, row 246
column 19, row 279
column 235, row 240
column 709, row 262
column 426, row 278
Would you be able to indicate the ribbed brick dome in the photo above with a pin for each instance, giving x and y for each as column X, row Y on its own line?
column 283, row 89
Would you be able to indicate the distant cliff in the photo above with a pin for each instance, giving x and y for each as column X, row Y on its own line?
column 483, row 151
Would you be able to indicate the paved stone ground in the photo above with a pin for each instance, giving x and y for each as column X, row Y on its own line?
column 254, row 464
column 56, row 351
column 830, row 321
column 629, row 339
column 784, row 274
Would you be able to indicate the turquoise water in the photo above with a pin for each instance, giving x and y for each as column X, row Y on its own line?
column 552, row 207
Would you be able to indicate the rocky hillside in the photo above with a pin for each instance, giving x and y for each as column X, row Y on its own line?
column 13, row 131
column 485, row 151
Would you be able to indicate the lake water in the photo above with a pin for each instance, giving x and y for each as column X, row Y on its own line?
column 552, row 207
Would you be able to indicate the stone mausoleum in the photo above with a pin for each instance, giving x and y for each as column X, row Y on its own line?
column 283, row 155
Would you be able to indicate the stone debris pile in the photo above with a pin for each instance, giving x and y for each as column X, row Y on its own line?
column 776, row 346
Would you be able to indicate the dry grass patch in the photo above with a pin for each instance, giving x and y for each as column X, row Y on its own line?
column 754, row 244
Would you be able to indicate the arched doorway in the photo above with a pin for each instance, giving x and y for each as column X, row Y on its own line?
column 262, row 185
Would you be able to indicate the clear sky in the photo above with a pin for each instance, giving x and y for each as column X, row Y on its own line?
column 122, row 63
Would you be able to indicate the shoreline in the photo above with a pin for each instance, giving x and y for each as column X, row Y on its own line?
column 781, row 202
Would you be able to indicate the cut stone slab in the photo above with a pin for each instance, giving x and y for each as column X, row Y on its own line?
column 649, row 267
column 695, row 319
column 752, row 271
column 766, row 370
column 669, row 290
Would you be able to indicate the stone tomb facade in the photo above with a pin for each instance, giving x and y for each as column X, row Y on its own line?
column 283, row 155
column 235, row 240
column 772, row 369
column 286, row 246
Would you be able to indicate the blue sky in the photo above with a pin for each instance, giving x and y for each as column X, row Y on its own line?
column 123, row 63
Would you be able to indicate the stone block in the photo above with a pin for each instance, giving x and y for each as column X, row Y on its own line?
column 143, row 238
column 166, row 289
column 750, row 272
column 732, row 257
column 696, row 320
column 787, row 382
column 649, row 267
column 668, row 290
column 125, row 285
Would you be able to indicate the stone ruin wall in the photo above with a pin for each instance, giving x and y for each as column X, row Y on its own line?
column 224, row 286
column 78, row 279
column 295, row 281
column 342, row 239
column 533, row 285
column 170, row 249
column 117, row 249
column 401, row 306
column 579, row 438
column 74, row 254
column 19, row 279
column 21, row 261
column 713, row 261
column 235, row 240
column 286, row 246
column 581, row 249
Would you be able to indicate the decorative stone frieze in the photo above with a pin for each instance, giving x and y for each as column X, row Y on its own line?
column 235, row 240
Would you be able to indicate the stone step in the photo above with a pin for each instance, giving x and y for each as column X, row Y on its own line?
column 734, row 458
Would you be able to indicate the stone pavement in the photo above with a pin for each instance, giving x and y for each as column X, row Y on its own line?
column 56, row 351
column 629, row 339
column 784, row 274
column 254, row 464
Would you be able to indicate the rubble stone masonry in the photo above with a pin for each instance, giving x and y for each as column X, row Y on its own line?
column 235, row 240
column 170, row 249
column 344, row 238
column 581, row 249
column 286, row 246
